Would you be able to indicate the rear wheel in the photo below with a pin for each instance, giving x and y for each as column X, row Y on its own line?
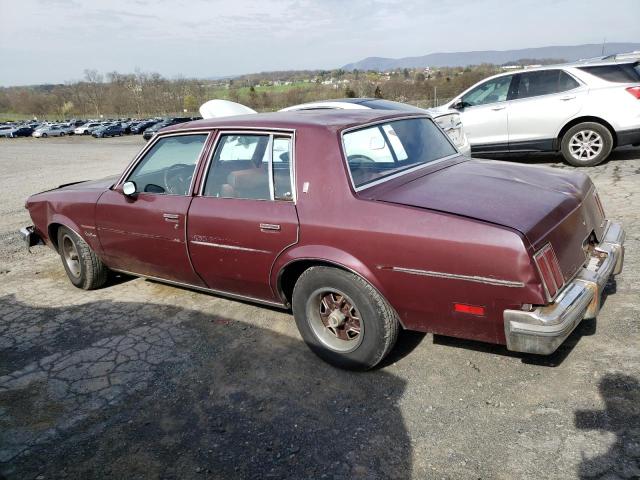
column 343, row 319
column 44, row 135
column 62, row 134
column 586, row 144
column 83, row 267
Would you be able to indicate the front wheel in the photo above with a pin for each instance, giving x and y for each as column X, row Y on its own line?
column 343, row 319
column 586, row 144
column 83, row 267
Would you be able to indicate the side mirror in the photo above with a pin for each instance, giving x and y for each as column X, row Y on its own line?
column 129, row 188
column 458, row 104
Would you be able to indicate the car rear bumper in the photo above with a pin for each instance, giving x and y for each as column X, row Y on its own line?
column 543, row 329
column 31, row 237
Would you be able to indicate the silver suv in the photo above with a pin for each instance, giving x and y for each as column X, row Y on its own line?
column 584, row 110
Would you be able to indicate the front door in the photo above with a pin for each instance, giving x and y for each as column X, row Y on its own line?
column 245, row 215
column 144, row 233
column 485, row 115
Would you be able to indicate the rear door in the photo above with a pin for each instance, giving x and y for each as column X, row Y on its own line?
column 245, row 213
column 485, row 115
column 541, row 104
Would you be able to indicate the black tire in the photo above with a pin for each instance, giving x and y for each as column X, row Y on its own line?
column 62, row 134
column 89, row 273
column 605, row 144
column 378, row 321
column 44, row 135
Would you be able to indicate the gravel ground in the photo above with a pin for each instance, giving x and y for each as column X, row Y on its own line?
column 143, row 380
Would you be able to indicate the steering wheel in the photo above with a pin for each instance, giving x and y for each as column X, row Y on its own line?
column 177, row 178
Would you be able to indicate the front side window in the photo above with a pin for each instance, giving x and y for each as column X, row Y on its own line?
column 544, row 82
column 251, row 166
column 382, row 150
column 168, row 167
column 492, row 91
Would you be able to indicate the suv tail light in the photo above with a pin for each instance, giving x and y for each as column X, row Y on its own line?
column 635, row 91
column 550, row 273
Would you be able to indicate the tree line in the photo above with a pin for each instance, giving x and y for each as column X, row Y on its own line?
column 143, row 94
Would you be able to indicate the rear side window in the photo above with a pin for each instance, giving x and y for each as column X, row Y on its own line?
column 621, row 73
column 544, row 82
column 382, row 150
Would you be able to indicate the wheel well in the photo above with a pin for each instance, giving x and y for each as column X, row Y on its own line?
column 291, row 272
column 53, row 233
column 576, row 121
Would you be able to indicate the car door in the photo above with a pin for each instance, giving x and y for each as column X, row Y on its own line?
column 245, row 213
column 484, row 113
column 144, row 233
column 542, row 103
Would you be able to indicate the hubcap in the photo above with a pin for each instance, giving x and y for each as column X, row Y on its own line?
column 335, row 320
column 586, row 145
column 70, row 255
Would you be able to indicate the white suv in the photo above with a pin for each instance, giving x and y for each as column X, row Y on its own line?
column 583, row 110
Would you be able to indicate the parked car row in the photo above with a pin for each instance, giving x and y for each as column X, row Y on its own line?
column 96, row 128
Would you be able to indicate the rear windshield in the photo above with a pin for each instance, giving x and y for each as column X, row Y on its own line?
column 379, row 151
column 620, row 73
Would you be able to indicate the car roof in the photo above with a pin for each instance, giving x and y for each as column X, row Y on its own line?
column 329, row 119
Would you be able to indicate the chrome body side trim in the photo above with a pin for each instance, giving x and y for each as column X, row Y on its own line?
column 228, row 247
column 233, row 296
column 455, row 276
column 543, row 329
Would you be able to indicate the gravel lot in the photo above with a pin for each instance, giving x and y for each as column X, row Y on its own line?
column 142, row 380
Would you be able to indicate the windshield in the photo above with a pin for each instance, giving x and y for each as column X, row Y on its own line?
column 385, row 149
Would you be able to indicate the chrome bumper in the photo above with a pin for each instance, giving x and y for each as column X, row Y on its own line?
column 30, row 237
column 543, row 329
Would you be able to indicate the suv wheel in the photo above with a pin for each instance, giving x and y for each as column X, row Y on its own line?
column 343, row 319
column 586, row 144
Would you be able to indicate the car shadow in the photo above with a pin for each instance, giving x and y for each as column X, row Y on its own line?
column 621, row 416
column 585, row 328
column 140, row 390
column 556, row 159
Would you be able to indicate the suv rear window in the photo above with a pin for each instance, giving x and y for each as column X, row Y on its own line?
column 620, row 73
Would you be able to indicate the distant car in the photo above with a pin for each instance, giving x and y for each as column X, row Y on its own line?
column 447, row 119
column 108, row 131
column 6, row 130
column 582, row 109
column 140, row 127
column 150, row 132
column 17, row 131
column 86, row 128
column 50, row 131
column 361, row 222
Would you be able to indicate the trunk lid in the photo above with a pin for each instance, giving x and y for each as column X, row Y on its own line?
column 543, row 204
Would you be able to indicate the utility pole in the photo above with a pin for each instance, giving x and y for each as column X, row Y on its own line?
column 603, row 42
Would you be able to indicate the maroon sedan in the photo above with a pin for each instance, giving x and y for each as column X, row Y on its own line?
column 362, row 222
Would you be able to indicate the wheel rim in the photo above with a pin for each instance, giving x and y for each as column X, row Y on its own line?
column 70, row 255
column 586, row 145
column 335, row 320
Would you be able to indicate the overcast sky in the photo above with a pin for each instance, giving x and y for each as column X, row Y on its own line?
column 53, row 41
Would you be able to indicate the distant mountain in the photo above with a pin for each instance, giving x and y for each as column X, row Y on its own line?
column 497, row 57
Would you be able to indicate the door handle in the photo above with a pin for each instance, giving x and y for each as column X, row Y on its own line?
column 564, row 99
column 495, row 109
column 270, row 226
column 171, row 217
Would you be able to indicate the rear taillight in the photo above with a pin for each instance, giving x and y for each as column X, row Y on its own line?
column 549, row 269
column 635, row 91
